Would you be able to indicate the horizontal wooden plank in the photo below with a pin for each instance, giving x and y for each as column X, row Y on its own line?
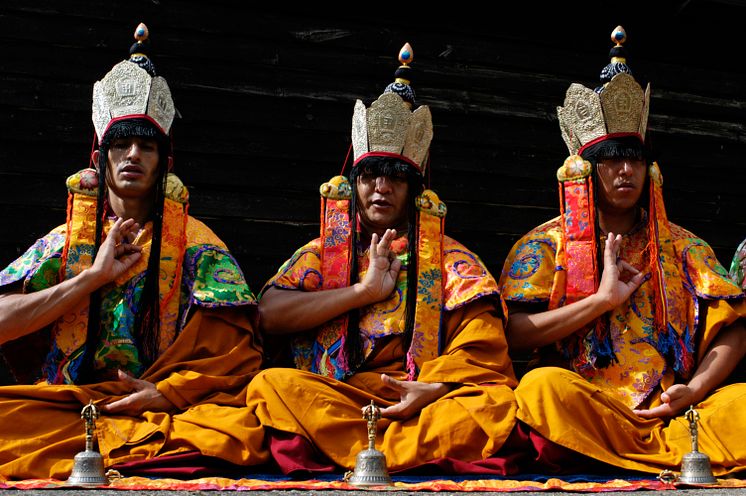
column 266, row 97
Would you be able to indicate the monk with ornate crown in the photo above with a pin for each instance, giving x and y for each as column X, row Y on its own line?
column 384, row 306
column 631, row 317
column 131, row 303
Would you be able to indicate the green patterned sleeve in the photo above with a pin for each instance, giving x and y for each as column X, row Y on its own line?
column 738, row 266
column 214, row 279
column 38, row 268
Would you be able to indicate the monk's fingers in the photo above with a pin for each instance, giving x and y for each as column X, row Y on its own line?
column 128, row 231
column 663, row 410
column 395, row 267
column 122, row 227
column 637, row 280
column 392, row 383
column 126, row 405
column 130, row 234
column 609, row 253
column 117, row 225
column 130, row 260
column 373, row 252
column 395, row 411
column 628, row 267
column 383, row 248
column 114, row 236
column 387, row 238
column 124, row 249
column 646, row 413
column 678, row 396
column 121, row 233
column 134, row 384
column 126, row 225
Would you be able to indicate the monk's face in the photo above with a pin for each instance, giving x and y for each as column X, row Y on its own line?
column 133, row 167
column 382, row 201
column 620, row 182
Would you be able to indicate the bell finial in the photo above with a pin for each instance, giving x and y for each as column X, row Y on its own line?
column 372, row 414
column 692, row 416
column 89, row 414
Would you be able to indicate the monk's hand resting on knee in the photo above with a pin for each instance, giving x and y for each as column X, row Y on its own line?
column 675, row 399
column 414, row 396
column 144, row 398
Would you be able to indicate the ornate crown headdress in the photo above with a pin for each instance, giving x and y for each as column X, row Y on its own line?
column 617, row 108
column 132, row 90
column 389, row 127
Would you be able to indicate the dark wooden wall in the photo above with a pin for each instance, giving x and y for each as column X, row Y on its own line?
column 266, row 98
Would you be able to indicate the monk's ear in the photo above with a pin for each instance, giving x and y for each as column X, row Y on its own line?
column 95, row 154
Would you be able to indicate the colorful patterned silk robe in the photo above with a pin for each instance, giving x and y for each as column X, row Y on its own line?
column 590, row 410
column 196, row 271
column 469, row 423
column 208, row 355
column 466, row 279
column 530, row 274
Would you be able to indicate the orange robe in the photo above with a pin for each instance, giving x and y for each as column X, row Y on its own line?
column 204, row 374
column 469, row 423
column 590, row 410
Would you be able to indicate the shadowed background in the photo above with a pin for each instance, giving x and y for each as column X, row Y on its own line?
column 266, row 98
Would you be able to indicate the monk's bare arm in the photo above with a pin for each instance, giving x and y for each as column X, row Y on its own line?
column 720, row 360
column 22, row 314
column 283, row 311
column 526, row 331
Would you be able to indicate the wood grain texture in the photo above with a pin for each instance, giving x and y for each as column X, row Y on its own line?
column 266, row 99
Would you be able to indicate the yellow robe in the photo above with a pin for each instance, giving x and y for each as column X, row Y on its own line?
column 469, row 423
column 593, row 414
column 204, row 374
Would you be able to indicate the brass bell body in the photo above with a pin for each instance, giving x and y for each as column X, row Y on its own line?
column 370, row 469
column 88, row 470
column 696, row 469
column 370, row 464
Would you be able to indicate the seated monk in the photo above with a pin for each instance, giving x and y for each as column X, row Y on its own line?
column 632, row 317
column 384, row 307
column 131, row 303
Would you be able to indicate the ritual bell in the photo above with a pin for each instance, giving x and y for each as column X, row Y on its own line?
column 88, row 465
column 695, row 465
column 370, row 464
